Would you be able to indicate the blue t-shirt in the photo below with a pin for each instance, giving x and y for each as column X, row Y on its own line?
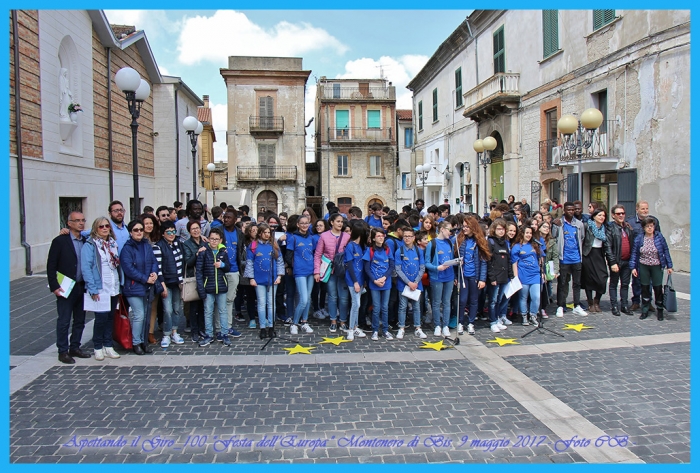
column 303, row 247
column 372, row 221
column 379, row 265
column 528, row 261
column 469, row 258
column 444, row 253
column 571, row 253
column 354, row 253
column 232, row 249
column 410, row 264
column 264, row 268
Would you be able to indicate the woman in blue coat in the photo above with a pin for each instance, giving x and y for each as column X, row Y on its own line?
column 140, row 270
column 649, row 258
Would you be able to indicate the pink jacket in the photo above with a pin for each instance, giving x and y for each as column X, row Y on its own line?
column 326, row 246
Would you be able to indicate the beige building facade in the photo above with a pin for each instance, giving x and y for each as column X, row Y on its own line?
column 266, row 129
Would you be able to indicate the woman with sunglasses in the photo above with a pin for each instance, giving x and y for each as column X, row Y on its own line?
column 170, row 278
column 140, row 270
column 99, row 262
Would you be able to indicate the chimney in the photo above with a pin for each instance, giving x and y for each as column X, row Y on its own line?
column 206, row 101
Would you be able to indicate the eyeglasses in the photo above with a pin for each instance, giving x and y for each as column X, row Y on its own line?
column 137, row 230
column 170, row 232
column 106, row 225
column 119, row 211
column 409, row 236
column 214, row 239
column 79, row 220
column 619, row 213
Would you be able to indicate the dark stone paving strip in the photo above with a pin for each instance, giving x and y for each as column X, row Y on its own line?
column 641, row 392
column 389, row 401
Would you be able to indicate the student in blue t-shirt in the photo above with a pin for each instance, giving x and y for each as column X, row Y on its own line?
column 355, row 276
column 571, row 237
column 375, row 219
column 525, row 257
column 301, row 246
column 410, row 266
column 442, row 277
column 379, row 266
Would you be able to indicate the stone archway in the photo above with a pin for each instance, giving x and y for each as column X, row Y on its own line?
column 267, row 200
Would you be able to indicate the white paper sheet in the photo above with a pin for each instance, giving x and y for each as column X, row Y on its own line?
column 413, row 295
column 512, row 287
column 103, row 305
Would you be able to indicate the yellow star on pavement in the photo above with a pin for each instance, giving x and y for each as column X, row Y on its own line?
column 437, row 346
column 504, row 341
column 299, row 349
column 577, row 327
column 335, row 341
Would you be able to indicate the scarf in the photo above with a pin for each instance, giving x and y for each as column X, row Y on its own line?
column 599, row 233
column 109, row 247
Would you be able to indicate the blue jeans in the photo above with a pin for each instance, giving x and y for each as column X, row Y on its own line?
column 533, row 290
column 469, row 293
column 305, row 284
column 104, row 324
column 441, row 293
column 265, row 296
column 380, row 302
column 172, row 310
column 356, row 298
column 498, row 302
column 138, row 309
column 220, row 300
column 337, row 290
column 403, row 303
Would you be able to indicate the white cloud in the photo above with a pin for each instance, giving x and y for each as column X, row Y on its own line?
column 163, row 71
column 399, row 71
column 230, row 33
column 219, row 117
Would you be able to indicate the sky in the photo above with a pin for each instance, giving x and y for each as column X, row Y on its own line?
column 195, row 44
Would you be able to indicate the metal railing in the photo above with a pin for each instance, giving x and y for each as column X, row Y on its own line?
column 500, row 83
column 553, row 155
column 360, row 134
column 275, row 124
column 357, row 93
column 266, row 173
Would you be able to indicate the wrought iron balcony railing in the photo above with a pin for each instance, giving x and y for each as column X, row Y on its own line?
column 360, row 134
column 553, row 155
column 266, row 173
column 266, row 124
column 329, row 92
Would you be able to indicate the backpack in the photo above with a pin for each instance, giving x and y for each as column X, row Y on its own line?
column 371, row 252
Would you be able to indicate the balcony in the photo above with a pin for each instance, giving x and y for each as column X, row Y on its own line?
column 266, row 173
column 494, row 96
column 552, row 156
column 266, row 124
column 328, row 92
column 357, row 135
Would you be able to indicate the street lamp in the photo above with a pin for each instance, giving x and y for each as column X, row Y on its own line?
column 194, row 128
column 136, row 90
column 577, row 135
column 423, row 169
column 483, row 150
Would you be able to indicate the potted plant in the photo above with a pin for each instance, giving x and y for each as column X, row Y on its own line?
column 73, row 110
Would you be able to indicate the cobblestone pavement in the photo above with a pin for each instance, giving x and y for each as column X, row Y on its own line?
column 366, row 402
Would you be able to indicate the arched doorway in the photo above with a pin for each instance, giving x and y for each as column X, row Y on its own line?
column 267, row 200
column 374, row 200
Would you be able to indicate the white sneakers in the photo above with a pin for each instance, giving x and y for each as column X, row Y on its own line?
column 560, row 312
column 438, row 331
column 306, row 328
column 445, row 331
column 294, row 330
column 359, row 333
column 460, row 329
column 110, row 353
column 165, row 341
column 388, row 336
column 351, row 335
column 470, row 329
column 99, row 354
column 176, row 338
column 500, row 325
column 579, row 311
column 400, row 334
column 495, row 329
column 419, row 333
column 375, row 336
column 504, row 321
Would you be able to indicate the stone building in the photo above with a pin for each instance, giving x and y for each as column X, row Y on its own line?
column 405, row 185
column 266, row 129
column 356, row 141
column 61, row 161
column 633, row 65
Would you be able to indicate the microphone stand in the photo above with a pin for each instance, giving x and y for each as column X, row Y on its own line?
column 272, row 334
column 540, row 325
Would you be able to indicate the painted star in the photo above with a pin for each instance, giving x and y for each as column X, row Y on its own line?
column 504, row 341
column 300, row 349
column 335, row 341
column 577, row 327
column 437, row 346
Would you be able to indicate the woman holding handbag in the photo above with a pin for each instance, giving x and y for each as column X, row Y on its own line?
column 99, row 262
column 192, row 247
column 329, row 244
column 650, row 256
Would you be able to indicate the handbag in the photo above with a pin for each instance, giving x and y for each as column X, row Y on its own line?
column 189, row 288
column 670, row 301
column 121, row 332
column 339, row 260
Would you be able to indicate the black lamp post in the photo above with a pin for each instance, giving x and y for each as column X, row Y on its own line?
column 194, row 128
column 136, row 90
column 577, row 135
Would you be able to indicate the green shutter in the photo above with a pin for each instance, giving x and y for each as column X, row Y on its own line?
column 435, row 105
column 373, row 119
column 342, row 118
column 420, row 115
column 550, row 32
column 602, row 18
column 499, row 51
column 458, row 87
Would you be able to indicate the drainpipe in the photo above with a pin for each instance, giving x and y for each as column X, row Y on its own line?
column 177, row 146
column 20, row 165
column 109, row 125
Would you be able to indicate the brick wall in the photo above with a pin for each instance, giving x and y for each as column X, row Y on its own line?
column 30, row 89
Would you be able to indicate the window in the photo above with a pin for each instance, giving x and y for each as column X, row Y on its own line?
column 373, row 119
column 435, row 103
column 602, row 99
column 602, row 18
column 375, row 165
column 458, row 87
column 551, row 134
column 499, row 51
column 67, row 205
column 550, row 32
column 266, row 160
column 420, row 115
column 342, row 123
column 265, row 107
column 408, row 137
column 342, row 165
column 336, row 91
column 405, row 180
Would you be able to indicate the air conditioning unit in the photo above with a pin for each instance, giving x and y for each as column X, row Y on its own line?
column 555, row 156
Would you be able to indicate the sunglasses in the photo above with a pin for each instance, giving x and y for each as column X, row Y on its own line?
column 137, row 230
column 170, row 232
column 619, row 213
column 107, row 225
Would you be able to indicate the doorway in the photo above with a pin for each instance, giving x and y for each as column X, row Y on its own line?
column 268, row 201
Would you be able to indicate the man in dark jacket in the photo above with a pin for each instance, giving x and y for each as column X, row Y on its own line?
column 620, row 240
column 233, row 239
column 635, row 222
column 64, row 258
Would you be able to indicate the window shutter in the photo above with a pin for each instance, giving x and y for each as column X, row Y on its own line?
column 435, row 105
column 550, row 32
column 373, row 119
column 499, row 54
column 420, row 115
column 627, row 190
column 458, row 87
column 572, row 187
column 602, row 18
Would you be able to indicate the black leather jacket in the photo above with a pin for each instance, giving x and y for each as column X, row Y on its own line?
column 588, row 244
column 614, row 233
